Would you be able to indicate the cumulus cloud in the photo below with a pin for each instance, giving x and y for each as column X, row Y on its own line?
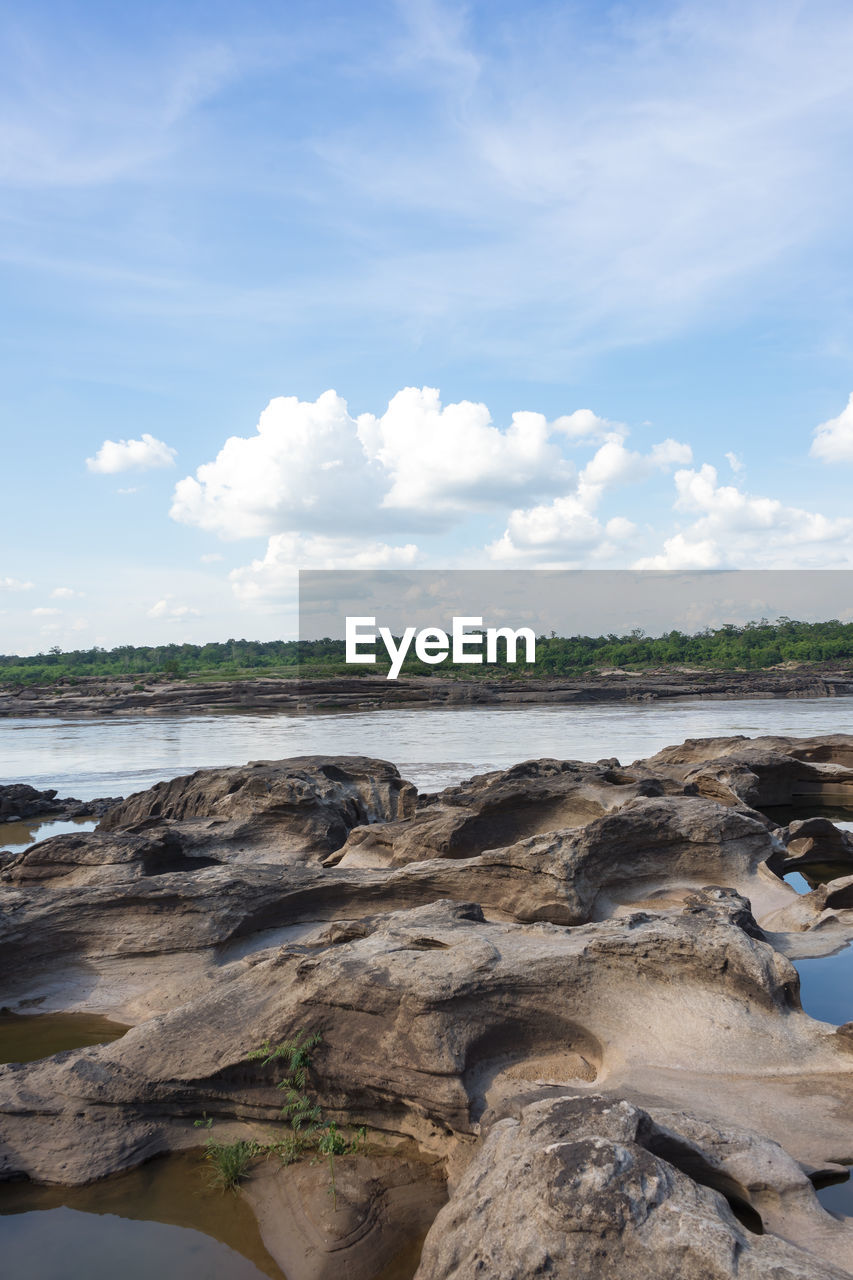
column 131, row 455
column 275, row 574
column 304, row 468
column 43, row 612
column 737, row 529
column 585, row 427
column 569, row 525
column 14, row 584
column 833, row 440
column 735, row 462
column 312, row 467
column 63, row 593
column 450, row 458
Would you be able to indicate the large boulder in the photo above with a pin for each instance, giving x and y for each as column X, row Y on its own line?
column 302, row 806
column 573, row 1189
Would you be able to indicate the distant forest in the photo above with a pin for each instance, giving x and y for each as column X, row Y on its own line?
column 754, row 646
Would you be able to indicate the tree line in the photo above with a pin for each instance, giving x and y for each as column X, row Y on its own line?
column 752, row 646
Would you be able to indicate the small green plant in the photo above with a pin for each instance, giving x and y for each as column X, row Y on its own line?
column 308, row 1130
column 296, row 1054
column 230, row 1161
column 331, row 1144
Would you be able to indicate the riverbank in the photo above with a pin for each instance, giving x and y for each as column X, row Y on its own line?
column 96, row 696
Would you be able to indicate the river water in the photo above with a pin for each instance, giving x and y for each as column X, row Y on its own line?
column 432, row 746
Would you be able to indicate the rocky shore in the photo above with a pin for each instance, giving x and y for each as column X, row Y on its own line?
column 93, row 696
column 560, row 997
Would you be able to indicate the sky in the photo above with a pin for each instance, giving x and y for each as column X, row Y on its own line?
column 414, row 285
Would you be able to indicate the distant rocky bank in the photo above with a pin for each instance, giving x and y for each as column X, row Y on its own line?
column 96, row 696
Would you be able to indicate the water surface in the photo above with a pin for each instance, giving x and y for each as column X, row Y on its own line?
column 160, row 1220
column 28, row 1037
column 837, row 1198
column 433, row 746
column 15, row 837
column 826, row 986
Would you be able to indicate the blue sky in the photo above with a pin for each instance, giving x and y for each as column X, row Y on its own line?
column 629, row 226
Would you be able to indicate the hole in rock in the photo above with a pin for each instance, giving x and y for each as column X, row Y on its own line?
column 519, row 818
column 26, row 1037
column 692, row 1163
column 547, row 1051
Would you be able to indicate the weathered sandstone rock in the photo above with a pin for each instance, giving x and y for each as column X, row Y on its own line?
column 575, row 1188
column 562, row 986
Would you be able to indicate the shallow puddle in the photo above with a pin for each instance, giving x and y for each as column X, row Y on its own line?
column 838, row 1198
column 27, row 1037
column 840, row 815
column 826, row 986
column 15, row 837
column 160, row 1220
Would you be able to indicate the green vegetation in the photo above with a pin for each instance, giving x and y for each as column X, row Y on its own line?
column 752, row 647
column 308, row 1130
column 230, row 1162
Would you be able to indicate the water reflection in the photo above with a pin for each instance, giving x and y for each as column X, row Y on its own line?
column 837, row 1198
column 15, row 837
column 28, row 1037
column 826, row 986
column 161, row 1219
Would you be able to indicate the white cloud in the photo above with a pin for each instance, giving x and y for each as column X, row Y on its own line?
column 585, row 427
column 735, row 462
column 64, row 593
column 278, row 479
column 14, row 584
column 312, row 467
column 212, row 557
column 174, row 612
column 673, row 167
column 680, row 552
column 446, row 459
column 737, row 529
column 569, row 524
column 833, row 440
column 274, row 576
column 43, row 612
column 131, row 455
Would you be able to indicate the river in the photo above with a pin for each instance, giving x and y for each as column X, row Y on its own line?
column 432, row 746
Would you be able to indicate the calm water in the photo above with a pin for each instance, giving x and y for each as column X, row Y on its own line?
column 15, row 837
column 837, row 1198
column 160, row 1220
column 432, row 746
column 826, row 986
column 28, row 1037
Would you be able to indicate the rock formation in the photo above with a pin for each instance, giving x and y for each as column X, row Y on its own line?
column 559, row 996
